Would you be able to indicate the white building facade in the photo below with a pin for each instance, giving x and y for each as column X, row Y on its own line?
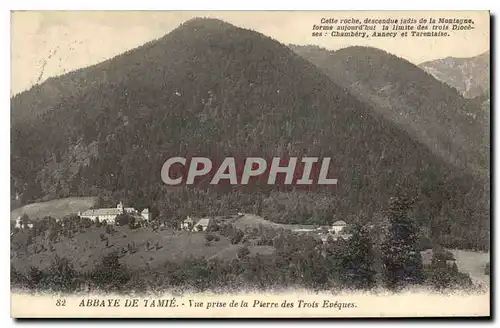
column 187, row 224
column 19, row 224
column 338, row 227
column 110, row 214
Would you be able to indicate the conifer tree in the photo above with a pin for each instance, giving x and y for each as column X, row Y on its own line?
column 402, row 261
column 357, row 260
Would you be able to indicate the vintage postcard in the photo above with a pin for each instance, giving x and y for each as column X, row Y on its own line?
column 251, row 164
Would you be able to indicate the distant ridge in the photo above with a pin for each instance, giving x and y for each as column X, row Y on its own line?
column 431, row 111
column 470, row 76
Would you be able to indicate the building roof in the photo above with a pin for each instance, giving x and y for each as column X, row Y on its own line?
column 203, row 222
column 339, row 223
column 102, row 211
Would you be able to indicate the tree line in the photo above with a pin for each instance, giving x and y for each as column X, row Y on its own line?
column 362, row 262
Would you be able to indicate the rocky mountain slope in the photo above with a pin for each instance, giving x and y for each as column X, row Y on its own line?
column 470, row 76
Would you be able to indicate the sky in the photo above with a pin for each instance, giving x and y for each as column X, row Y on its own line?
column 51, row 43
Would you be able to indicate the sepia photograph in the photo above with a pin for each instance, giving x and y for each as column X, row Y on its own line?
column 251, row 164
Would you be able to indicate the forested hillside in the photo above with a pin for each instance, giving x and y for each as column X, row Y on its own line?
column 431, row 111
column 211, row 89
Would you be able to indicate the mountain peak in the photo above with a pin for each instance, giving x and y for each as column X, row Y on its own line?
column 205, row 24
column 470, row 76
column 211, row 89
